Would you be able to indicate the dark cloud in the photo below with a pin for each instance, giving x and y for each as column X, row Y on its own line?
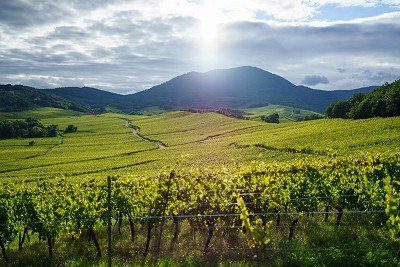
column 314, row 80
column 19, row 14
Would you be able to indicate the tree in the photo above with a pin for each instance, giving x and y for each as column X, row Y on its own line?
column 71, row 129
column 273, row 118
column 340, row 109
column 36, row 131
column 33, row 122
column 52, row 130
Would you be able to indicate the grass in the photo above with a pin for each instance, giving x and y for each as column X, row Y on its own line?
column 40, row 113
column 316, row 243
column 286, row 114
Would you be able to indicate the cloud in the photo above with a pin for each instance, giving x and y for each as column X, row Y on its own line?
column 314, row 80
column 127, row 46
column 376, row 77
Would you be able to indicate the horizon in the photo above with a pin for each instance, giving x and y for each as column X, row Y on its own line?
column 205, row 72
column 135, row 45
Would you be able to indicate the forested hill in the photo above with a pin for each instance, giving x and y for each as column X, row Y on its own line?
column 20, row 98
column 87, row 96
column 381, row 102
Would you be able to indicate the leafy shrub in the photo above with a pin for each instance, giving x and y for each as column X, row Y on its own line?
column 52, row 130
column 273, row 118
column 28, row 128
column 71, row 129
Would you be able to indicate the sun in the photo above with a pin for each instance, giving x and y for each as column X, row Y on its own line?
column 209, row 20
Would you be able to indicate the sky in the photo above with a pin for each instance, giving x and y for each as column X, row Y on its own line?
column 128, row 46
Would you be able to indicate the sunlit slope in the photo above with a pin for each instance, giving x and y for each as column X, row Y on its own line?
column 330, row 135
column 101, row 143
column 177, row 128
column 285, row 113
column 40, row 113
column 116, row 144
column 338, row 136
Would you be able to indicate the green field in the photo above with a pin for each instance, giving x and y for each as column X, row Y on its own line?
column 286, row 114
column 40, row 113
column 181, row 163
column 105, row 145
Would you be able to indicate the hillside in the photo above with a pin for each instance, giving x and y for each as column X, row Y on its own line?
column 199, row 161
column 381, row 102
column 243, row 87
column 285, row 113
column 39, row 113
column 21, row 98
column 87, row 96
column 106, row 145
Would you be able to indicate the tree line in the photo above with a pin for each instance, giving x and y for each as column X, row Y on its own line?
column 30, row 127
column 382, row 102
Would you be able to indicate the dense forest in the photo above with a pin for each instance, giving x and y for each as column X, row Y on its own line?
column 382, row 102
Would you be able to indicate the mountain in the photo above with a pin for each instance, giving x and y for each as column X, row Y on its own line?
column 242, row 87
column 87, row 96
column 20, row 98
column 236, row 88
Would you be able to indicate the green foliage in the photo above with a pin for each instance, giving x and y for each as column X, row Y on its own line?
column 273, row 118
column 71, row 129
column 57, row 208
column 382, row 102
column 392, row 188
column 338, row 109
column 52, row 130
column 312, row 117
column 28, row 128
column 260, row 233
column 8, row 223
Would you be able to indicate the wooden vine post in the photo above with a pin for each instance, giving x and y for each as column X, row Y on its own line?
column 109, row 221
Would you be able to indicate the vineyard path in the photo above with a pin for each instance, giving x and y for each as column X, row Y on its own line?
column 135, row 131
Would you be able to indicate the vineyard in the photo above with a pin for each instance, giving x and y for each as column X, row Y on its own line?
column 199, row 189
column 107, row 145
column 263, row 204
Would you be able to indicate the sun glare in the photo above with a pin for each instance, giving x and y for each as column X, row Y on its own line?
column 209, row 23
